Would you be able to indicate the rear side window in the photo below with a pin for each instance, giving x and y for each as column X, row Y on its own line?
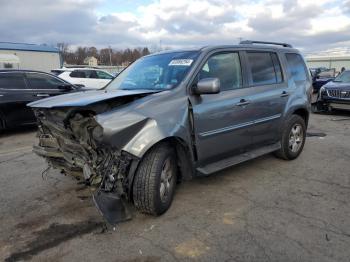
column 277, row 67
column 12, row 81
column 42, row 81
column 296, row 67
column 265, row 68
column 78, row 74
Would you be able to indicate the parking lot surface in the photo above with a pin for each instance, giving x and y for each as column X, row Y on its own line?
column 262, row 210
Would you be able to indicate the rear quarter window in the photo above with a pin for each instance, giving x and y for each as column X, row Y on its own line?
column 12, row 81
column 296, row 67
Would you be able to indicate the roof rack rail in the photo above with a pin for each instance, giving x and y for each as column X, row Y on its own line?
column 250, row 42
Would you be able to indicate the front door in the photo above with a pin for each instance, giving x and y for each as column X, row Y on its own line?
column 43, row 85
column 222, row 120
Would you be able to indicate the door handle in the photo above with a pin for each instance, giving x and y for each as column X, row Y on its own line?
column 243, row 102
column 284, row 94
column 42, row 95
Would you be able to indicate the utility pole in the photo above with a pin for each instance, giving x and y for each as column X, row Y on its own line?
column 110, row 55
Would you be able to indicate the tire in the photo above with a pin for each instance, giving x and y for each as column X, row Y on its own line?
column 2, row 124
column 319, row 108
column 155, row 180
column 314, row 108
column 294, row 131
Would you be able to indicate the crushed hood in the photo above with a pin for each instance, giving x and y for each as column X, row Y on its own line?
column 84, row 98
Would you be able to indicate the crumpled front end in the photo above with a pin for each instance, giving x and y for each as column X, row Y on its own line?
column 71, row 141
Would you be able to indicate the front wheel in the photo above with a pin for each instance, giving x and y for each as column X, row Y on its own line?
column 155, row 180
column 293, row 138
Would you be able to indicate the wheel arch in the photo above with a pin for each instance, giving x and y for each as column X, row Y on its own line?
column 184, row 159
column 302, row 112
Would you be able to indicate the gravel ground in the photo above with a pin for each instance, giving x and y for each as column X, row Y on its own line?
column 262, row 210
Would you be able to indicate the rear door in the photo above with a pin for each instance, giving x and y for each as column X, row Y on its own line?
column 79, row 77
column 93, row 80
column 14, row 96
column 103, row 77
column 268, row 97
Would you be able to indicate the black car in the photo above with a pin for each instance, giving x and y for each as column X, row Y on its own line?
column 20, row 87
column 334, row 94
column 321, row 76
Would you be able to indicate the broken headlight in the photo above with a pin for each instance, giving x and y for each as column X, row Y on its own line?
column 97, row 133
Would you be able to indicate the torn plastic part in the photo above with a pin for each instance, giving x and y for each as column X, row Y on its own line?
column 112, row 207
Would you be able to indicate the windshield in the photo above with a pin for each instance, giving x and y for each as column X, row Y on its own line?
column 343, row 77
column 156, row 72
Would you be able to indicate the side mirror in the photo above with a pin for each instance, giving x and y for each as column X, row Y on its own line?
column 207, row 86
column 65, row 87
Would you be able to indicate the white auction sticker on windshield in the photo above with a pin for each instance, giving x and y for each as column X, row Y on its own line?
column 181, row 62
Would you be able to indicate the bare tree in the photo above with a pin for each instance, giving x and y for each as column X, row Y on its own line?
column 105, row 56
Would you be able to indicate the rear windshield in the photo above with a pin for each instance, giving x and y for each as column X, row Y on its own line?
column 156, row 72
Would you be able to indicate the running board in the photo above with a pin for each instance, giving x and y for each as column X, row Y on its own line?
column 231, row 161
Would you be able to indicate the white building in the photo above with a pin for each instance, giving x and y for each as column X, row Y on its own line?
column 91, row 61
column 336, row 62
column 29, row 56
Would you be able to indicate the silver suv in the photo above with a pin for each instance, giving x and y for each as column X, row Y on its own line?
column 174, row 115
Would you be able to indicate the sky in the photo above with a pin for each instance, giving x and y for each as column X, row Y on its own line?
column 314, row 26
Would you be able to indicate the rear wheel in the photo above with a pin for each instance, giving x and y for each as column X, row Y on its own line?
column 155, row 180
column 293, row 138
column 2, row 124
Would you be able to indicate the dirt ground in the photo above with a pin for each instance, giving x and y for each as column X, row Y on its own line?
column 262, row 210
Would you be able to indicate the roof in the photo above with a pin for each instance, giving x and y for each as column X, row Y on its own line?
column 9, row 58
column 251, row 47
column 239, row 46
column 27, row 47
column 11, row 70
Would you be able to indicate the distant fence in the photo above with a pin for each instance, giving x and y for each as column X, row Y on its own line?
column 110, row 69
column 329, row 62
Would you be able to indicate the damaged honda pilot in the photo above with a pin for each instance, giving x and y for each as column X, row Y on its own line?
column 174, row 115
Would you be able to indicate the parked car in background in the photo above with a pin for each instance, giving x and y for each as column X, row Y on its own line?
column 335, row 94
column 89, row 78
column 321, row 76
column 20, row 87
column 174, row 115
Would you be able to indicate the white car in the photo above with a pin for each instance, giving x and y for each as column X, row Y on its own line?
column 89, row 78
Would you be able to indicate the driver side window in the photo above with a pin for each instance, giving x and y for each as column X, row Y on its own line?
column 226, row 67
